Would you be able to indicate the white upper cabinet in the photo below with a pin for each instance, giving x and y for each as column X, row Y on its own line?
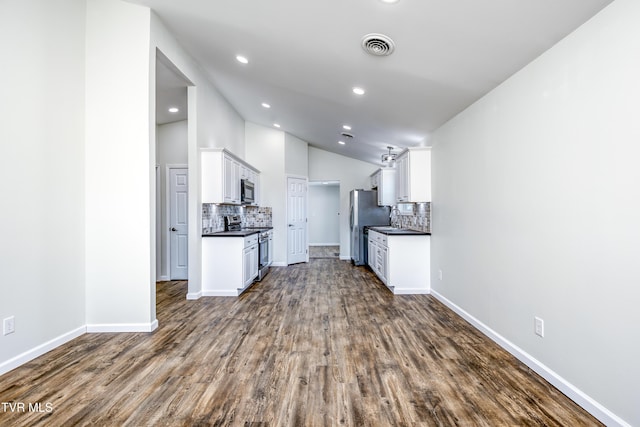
column 413, row 179
column 221, row 173
column 384, row 180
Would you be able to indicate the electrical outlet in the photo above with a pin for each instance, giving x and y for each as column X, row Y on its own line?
column 9, row 325
column 539, row 326
column 440, row 274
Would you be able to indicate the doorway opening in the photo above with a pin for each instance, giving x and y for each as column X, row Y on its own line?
column 172, row 195
column 324, row 219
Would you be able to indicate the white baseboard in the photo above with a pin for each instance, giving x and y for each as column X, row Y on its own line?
column 194, row 295
column 279, row 264
column 345, row 257
column 162, row 279
column 410, row 291
column 324, row 244
column 123, row 327
column 589, row 404
column 40, row 350
column 221, row 293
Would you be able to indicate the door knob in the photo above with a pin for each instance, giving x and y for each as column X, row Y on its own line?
column 174, row 229
column 290, row 225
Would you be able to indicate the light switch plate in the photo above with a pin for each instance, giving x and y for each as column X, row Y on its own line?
column 539, row 327
column 9, row 325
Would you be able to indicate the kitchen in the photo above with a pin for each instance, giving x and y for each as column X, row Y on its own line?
column 533, row 194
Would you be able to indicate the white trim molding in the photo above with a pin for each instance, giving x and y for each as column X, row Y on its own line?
column 572, row 392
column 41, row 349
column 221, row 293
column 194, row 295
column 123, row 327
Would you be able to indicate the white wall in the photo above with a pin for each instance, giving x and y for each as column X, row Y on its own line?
column 536, row 207
column 119, row 174
column 42, row 175
column 266, row 151
column 296, row 156
column 171, row 149
column 351, row 173
column 324, row 214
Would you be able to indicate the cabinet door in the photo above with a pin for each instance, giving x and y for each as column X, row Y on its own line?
column 371, row 250
column 375, row 179
column 246, row 267
column 249, row 265
column 231, row 183
column 402, row 178
column 255, row 259
column 384, row 267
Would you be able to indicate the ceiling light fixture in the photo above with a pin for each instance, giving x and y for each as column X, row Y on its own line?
column 276, row 125
column 265, row 105
column 358, row 91
column 173, row 110
column 390, row 1
column 241, row 59
column 389, row 158
column 341, row 142
column 346, row 127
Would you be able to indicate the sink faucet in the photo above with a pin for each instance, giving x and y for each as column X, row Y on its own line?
column 394, row 216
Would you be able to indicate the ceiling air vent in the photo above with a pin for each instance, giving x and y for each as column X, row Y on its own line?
column 378, row 44
column 347, row 135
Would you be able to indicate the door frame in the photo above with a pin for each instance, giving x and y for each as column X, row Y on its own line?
column 306, row 209
column 166, row 236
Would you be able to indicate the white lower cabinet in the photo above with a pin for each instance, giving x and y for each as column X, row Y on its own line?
column 401, row 261
column 378, row 255
column 229, row 264
column 250, row 264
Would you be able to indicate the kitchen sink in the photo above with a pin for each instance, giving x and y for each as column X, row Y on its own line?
column 393, row 230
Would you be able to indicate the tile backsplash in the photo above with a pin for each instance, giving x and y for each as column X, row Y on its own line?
column 252, row 216
column 419, row 220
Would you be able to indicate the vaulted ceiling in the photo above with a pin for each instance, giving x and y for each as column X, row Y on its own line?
column 305, row 57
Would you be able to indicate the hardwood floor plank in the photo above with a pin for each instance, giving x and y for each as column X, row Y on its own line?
column 318, row 344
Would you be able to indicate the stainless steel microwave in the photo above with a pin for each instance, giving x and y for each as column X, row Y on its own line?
column 247, row 192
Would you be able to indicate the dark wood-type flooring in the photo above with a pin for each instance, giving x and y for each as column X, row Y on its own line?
column 318, row 344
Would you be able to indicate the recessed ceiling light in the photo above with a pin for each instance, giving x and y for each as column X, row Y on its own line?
column 242, row 59
column 390, row 1
column 346, row 127
column 276, row 125
column 173, row 110
column 341, row 142
column 358, row 91
column 265, row 105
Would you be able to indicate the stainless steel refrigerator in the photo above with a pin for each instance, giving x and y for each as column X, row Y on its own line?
column 364, row 211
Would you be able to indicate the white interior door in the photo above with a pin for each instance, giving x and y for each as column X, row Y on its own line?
column 178, row 229
column 297, row 250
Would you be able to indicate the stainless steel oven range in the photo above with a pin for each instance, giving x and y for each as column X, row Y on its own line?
column 265, row 252
column 265, row 242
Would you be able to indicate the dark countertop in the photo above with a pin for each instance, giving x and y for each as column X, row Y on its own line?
column 389, row 231
column 240, row 233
